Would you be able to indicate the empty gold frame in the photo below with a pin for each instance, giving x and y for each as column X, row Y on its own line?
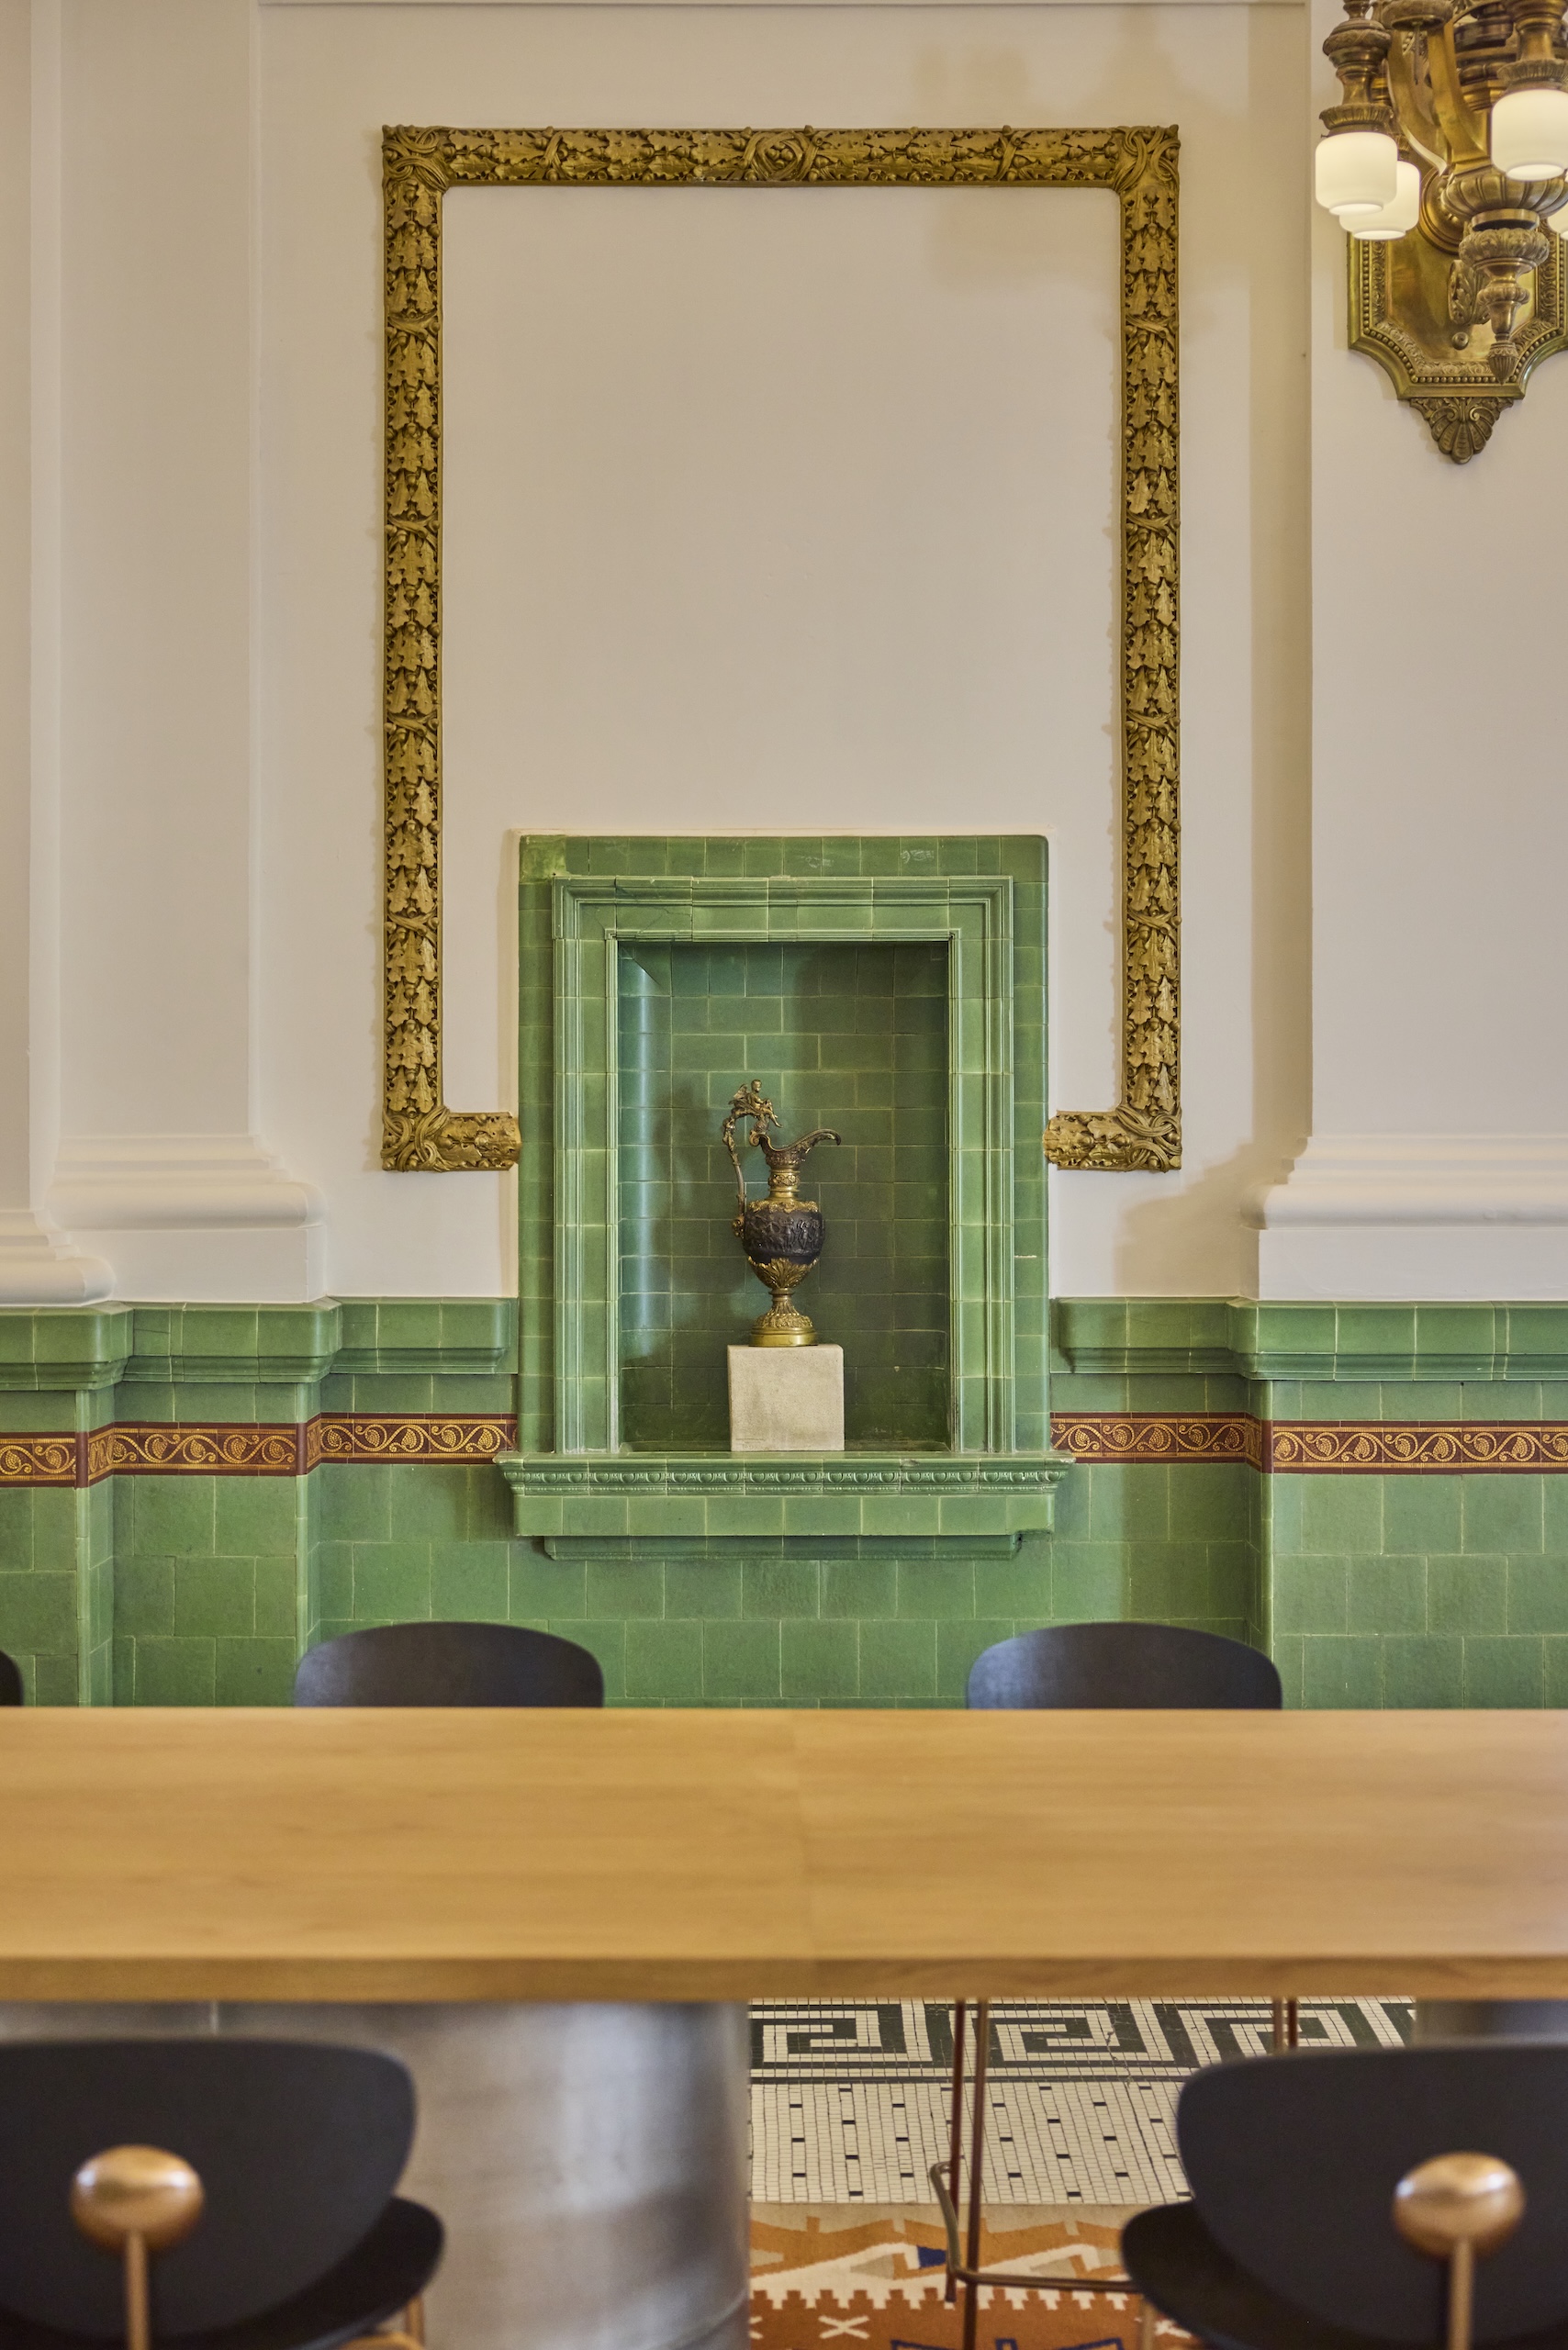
column 1144, row 1128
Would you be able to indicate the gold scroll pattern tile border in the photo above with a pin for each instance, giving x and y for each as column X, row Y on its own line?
column 288, row 1448
column 249, row 1448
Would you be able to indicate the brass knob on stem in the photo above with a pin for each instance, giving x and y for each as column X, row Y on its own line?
column 134, row 2200
column 1459, row 2207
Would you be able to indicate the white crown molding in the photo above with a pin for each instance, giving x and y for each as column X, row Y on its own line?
column 1421, row 1180
column 1423, row 1217
column 176, row 1183
column 40, row 1267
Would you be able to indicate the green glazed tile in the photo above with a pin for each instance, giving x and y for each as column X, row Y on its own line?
column 38, row 1614
column 253, row 1513
column 740, row 1661
column 862, row 1587
column 1508, row 1672
column 620, row 1589
column 1342, row 1514
column 1422, row 1513
column 1090, row 1583
column 1503, row 1512
column 175, row 1673
column 707, row 1587
column 56, row 1531
column 214, row 1596
column 277, row 1598
column 936, row 1588
column 1423, row 1670
column 1343, row 1672
column 469, row 1582
column 174, row 1514
column 820, row 1663
column 541, row 1588
column 1467, row 1595
column 898, row 1660
column 144, row 1596
column 253, row 1673
column 1312, row 1597
column 1537, row 1594
column 780, row 1587
column 1387, row 1595
column 391, row 1582
column 664, row 1663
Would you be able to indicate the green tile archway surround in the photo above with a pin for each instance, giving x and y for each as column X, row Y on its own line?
column 884, row 986
column 172, row 1532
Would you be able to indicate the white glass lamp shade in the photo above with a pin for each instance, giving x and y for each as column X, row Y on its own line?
column 1395, row 218
column 1530, row 133
column 1355, row 171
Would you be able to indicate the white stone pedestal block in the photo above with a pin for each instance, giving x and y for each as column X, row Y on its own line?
column 786, row 1399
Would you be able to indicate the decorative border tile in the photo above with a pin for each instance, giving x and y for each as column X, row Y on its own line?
column 1316, row 1447
column 1449, row 1448
column 250, row 1449
column 193, row 1449
column 1158, row 1435
column 408, row 1437
column 40, row 1461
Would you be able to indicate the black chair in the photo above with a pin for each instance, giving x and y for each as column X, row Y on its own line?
column 268, row 2224
column 1101, row 1666
column 448, row 1664
column 1307, row 2230
column 10, row 1680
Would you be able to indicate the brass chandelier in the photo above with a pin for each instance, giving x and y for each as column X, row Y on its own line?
column 1447, row 161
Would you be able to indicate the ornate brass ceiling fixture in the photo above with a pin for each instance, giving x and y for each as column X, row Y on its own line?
column 1445, row 161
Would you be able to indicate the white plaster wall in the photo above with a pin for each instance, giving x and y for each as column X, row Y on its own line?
column 1231, row 78
column 1439, row 1164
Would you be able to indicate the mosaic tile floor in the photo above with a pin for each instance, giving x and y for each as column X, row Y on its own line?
column 850, row 2099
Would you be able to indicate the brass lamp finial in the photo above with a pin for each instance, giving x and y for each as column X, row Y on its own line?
column 1459, row 2207
column 134, row 2200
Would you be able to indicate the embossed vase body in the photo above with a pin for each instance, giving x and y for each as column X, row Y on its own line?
column 782, row 1239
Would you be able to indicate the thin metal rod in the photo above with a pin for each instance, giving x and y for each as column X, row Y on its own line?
column 977, row 2169
column 1146, row 2326
column 137, row 2331
column 955, row 2137
column 414, row 2318
column 1461, row 2295
column 1286, row 2031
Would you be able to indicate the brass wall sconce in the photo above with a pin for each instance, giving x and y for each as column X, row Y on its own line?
column 1447, row 161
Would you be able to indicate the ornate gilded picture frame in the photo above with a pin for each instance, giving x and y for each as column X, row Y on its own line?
column 1144, row 1128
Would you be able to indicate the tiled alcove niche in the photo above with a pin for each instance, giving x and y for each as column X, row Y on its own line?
column 893, row 989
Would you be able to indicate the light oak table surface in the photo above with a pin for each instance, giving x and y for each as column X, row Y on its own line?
column 443, row 1855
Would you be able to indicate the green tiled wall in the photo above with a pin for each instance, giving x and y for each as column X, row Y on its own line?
column 1390, row 1590
column 850, row 1037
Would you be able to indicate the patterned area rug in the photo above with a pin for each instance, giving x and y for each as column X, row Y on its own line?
column 825, row 2276
column 850, row 2099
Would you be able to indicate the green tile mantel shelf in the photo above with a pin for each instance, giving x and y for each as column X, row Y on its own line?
column 970, row 1503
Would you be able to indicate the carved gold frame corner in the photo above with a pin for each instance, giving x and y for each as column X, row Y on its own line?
column 1144, row 1128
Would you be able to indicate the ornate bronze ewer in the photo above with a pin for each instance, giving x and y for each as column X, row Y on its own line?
column 782, row 1235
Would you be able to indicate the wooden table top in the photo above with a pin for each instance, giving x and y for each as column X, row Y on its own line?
column 150, row 1854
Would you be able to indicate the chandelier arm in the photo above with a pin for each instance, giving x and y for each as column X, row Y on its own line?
column 1460, row 125
column 1418, row 124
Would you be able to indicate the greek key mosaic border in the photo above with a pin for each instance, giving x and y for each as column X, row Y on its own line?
column 1335, row 1447
column 1144, row 1128
column 251, row 1448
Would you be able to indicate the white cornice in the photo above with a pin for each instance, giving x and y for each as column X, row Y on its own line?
column 167, row 1183
column 40, row 1267
column 1421, row 1179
